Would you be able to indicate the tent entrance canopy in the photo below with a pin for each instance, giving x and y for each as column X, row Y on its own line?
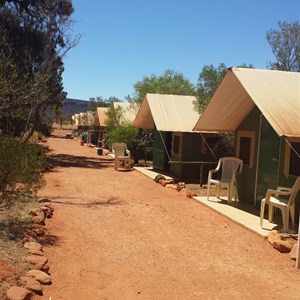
column 275, row 93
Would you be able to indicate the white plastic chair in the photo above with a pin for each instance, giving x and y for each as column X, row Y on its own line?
column 122, row 156
column 284, row 199
column 230, row 167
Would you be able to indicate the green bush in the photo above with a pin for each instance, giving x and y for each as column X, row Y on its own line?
column 21, row 165
column 139, row 141
column 125, row 134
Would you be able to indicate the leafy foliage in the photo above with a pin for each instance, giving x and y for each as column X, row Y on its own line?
column 100, row 102
column 208, row 82
column 285, row 44
column 170, row 82
column 114, row 115
column 139, row 141
column 125, row 133
column 33, row 41
column 21, row 165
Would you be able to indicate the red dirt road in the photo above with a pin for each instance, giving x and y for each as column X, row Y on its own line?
column 120, row 235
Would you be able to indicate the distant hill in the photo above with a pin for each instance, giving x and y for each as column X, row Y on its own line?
column 71, row 107
column 74, row 106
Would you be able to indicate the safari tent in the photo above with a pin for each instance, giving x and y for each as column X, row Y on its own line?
column 176, row 147
column 100, row 117
column 100, row 121
column 86, row 120
column 100, row 125
column 262, row 108
column 75, row 120
column 129, row 111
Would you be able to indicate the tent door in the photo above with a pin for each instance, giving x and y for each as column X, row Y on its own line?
column 268, row 164
column 160, row 156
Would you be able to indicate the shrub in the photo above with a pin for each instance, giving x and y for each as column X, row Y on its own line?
column 125, row 134
column 21, row 165
column 139, row 141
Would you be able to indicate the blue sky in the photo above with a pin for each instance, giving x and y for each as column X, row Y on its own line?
column 124, row 40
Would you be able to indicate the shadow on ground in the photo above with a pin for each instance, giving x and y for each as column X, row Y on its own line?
column 67, row 161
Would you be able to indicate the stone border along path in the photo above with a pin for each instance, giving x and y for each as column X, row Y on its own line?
column 38, row 276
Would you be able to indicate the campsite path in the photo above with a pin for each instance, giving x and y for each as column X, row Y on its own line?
column 119, row 235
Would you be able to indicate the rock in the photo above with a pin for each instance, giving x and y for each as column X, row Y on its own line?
column 32, row 234
column 37, row 226
column 38, row 220
column 159, row 177
column 32, row 284
column 293, row 252
column 190, row 194
column 273, row 236
column 37, row 212
column 37, row 259
column 180, row 186
column 28, row 237
column 33, row 245
column 18, row 293
column 172, row 186
column 42, row 267
column 282, row 246
column 40, row 276
column 44, row 200
column 48, row 211
column 39, row 231
column 36, row 252
column 38, row 216
column 164, row 182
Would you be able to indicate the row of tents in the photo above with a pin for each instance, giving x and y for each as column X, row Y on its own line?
column 259, row 110
column 95, row 122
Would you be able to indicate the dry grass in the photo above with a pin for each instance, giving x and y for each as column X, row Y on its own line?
column 15, row 218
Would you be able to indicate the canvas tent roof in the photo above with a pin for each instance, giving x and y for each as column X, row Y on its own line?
column 128, row 113
column 75, row 119
column 86, row 118
column 167, row 113
column 275, row 93
column 129, row 110
column 82, row 118
column 100, row 116
column 90, row 117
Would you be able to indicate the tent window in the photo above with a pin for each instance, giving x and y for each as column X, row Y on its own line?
column 245, row 152
column 245, row 147
column 176, row 144
column 293, row 159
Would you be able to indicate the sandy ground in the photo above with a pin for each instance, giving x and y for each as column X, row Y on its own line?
column 120, row 235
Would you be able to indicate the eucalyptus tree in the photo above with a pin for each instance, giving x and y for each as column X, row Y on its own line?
column 285, row 44
column 99, row 101
column 170, row 82
column 208, row 81
column 34, row 38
